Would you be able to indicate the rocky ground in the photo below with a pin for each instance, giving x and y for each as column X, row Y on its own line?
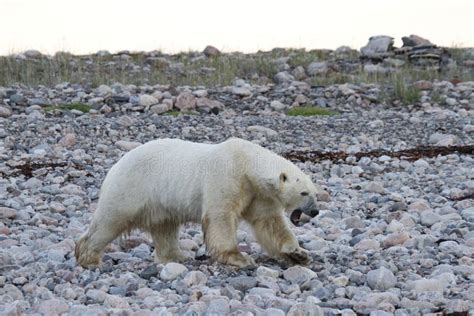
column 396, row 236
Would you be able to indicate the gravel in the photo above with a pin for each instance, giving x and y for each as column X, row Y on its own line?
column 393, row 236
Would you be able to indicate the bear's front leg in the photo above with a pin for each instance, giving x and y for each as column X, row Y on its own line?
column 277, row 239
column 219, row 235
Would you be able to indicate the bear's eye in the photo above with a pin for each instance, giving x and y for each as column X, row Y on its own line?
column 304, row 193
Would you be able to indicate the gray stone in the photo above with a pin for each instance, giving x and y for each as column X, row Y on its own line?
column 381, row 279
column 317, row 68
column 96, row 296
column 218, row 306
column 468, row 214
column 273, row 312
column 53, row 307
column 241, row 91
column 414, row 40
column 305, row 309
column 159, row 108
column 149, row 272
column 377, row 44
column 375, row 187
column 211, row 51
column 262, row 130
column 428, row 218
column 242, row 283
column 5, row 112
column 32, row 53
column 298, row 274
column 185, row 101
column 208, row 103
column 283, row 77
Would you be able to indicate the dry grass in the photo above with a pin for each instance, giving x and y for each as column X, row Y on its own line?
column 196, row 70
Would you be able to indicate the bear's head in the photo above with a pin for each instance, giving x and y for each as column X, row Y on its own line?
column 296, row 190
column 292, row 189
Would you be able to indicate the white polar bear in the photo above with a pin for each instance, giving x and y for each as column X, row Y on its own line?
column 164, row 183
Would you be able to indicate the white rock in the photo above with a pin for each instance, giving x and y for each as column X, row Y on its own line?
column 159, row 108
column 195, row 278
column 375, row 187
column 241, row 91
column 451, row 101
column 468, row 128
column 96, row 296
column 53, row 307
column 264, row 271
column 262, row 130
column 103, row 90
column 147, row 100
column 200, row 93
column 440, row 139
column 425, row 285
column 278, row 106
column 126, row 145
column 172, row 270
column 421, row 163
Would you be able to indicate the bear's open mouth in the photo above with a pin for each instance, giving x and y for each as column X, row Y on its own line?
column 295, row 216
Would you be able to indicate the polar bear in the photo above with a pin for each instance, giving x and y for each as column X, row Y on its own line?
column 164, row 183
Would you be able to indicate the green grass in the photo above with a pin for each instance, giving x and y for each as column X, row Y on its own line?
column 178, row 112
column 69, row 106
column 172, row 113
column 309, row 110
column 406, row 93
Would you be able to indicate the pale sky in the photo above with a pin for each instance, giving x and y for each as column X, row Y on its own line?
column 85, row 26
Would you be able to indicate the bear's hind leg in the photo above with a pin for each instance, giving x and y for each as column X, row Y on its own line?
column 165, row 239
column 89, row 247
column 219, row 234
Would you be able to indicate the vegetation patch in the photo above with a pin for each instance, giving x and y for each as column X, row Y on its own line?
column 309, row 110
column 69, row 106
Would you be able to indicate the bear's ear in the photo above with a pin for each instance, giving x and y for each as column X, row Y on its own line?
column 283, row 177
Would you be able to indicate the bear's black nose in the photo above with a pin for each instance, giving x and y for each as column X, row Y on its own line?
column 309, row 208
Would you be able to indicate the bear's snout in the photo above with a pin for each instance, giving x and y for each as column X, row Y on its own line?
column 308, row 208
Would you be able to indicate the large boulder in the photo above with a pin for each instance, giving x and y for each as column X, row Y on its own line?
column 211, row 51
column 379, row 44
column 185, row 101
column 415, row 40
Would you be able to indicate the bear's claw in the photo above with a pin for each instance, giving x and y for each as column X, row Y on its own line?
column 238, row 259
column 299, row 256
